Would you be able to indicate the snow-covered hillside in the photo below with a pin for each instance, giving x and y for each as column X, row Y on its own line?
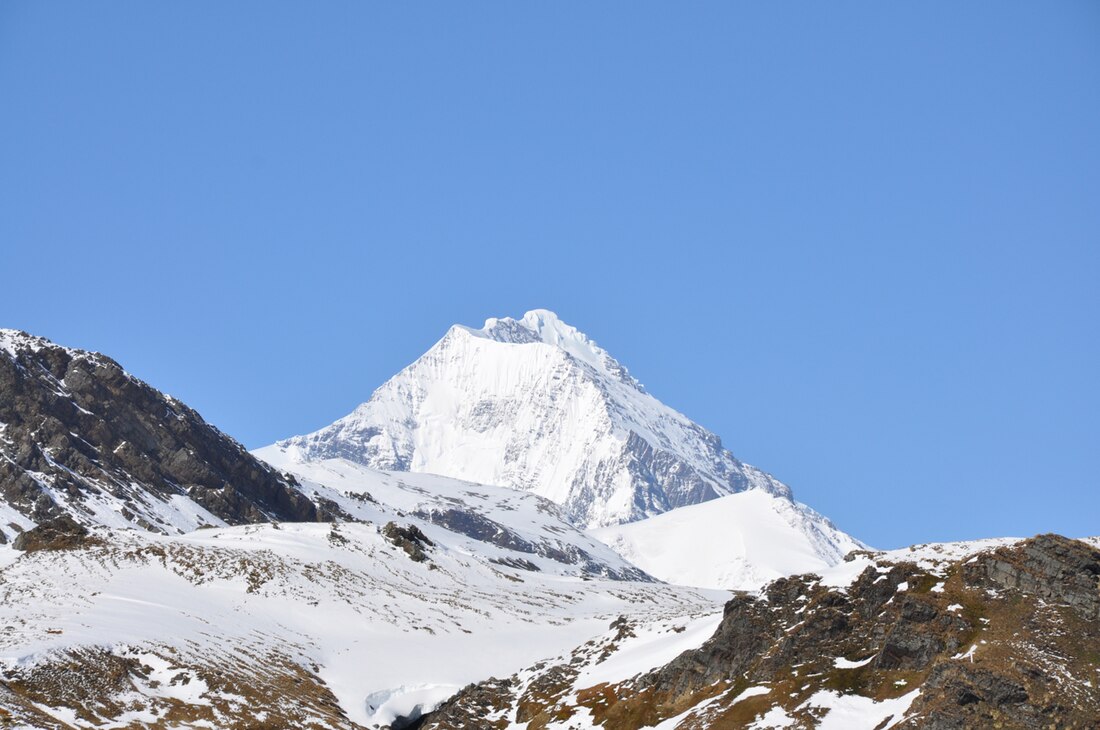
column 740, row 541
column 331, row 624
column 536, row 405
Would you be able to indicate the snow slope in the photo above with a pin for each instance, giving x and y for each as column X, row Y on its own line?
column 740, row 541
column 338, row 605
column 536, row 405
column 506, row 581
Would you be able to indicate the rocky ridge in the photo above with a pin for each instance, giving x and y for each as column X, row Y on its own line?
column 79, row 436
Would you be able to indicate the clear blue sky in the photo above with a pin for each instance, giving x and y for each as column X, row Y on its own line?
column 858, row 240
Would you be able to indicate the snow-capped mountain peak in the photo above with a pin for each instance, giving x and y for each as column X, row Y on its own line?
column 535, row 404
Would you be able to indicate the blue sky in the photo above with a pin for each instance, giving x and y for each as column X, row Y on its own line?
column 860, row 241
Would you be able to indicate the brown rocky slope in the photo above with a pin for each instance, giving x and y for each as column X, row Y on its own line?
column 1005, row 638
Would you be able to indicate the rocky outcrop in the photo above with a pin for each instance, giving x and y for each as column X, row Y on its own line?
column 81, row 437
column 1049, row 566
column 409, row 538
column 1007, row 638
column 59, row 533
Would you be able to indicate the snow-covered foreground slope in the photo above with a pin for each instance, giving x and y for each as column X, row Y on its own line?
column 535, row 405
column 740, row 541
column 293, row 623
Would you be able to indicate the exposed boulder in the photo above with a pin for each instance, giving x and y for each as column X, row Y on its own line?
column 409, row 538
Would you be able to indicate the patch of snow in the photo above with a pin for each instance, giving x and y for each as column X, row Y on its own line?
column 774, row 719
column 167, row 679
column 66, row 715
column 843, row 574
column 842, row 663
column 853, row 712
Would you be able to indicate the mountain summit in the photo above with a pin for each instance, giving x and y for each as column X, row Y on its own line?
column 535, row 404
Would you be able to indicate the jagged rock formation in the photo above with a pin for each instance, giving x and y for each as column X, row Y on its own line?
column 1007, row 638
column 536, row 405
column 81, row 437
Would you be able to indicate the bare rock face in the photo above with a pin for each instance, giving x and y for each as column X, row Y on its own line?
column 81, row 437
column 1006, row 638
column 1049, row 566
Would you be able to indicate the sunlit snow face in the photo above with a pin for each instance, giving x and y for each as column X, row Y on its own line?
column 534, row 404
